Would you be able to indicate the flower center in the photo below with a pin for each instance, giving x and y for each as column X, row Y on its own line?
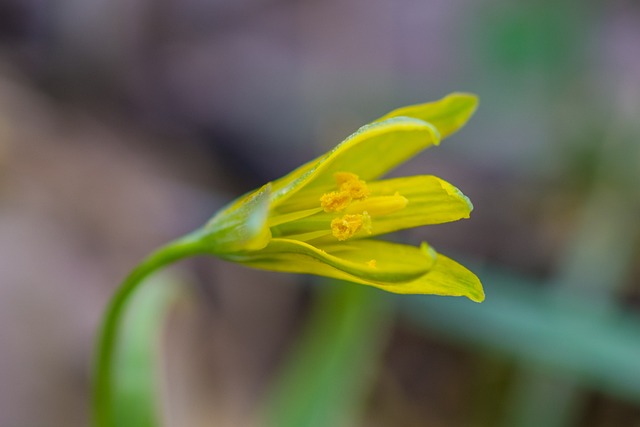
column 350, row 188
column 353, row 198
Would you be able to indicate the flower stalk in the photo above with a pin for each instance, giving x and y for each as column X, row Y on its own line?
column 103, row 384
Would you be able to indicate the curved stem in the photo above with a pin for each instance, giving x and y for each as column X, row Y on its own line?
column 103, row 387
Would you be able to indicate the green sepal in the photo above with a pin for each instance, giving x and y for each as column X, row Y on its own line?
column 242, row 225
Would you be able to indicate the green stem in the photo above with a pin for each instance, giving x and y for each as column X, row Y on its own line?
column 103, row 387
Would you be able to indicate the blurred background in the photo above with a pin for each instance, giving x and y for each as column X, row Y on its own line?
column 124, row 124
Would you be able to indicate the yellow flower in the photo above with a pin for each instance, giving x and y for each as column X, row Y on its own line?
column 323, row 217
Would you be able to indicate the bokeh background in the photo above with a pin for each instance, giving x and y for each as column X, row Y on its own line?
column 124, row 124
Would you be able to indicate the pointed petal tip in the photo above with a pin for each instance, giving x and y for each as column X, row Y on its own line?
column 477, row 295
column 446, row 278
column 466, row 99
column 473, row 288
column 472, row 98
column 464, row 102
column 447, row 114
column 455, row 192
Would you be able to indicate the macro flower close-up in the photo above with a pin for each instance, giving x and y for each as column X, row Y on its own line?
column 324, row 217
column 343, row 213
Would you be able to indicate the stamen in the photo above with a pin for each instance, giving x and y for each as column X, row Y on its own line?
column 348, row 225
column 372, row 263
column 350, row 183
column 357, row 189
column 353, row 197
column 366, row 222
column 335, row 201
column 342, row 177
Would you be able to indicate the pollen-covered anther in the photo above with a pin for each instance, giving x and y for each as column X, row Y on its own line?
column 342, row 177
column 350, row 183
column 346, row 226
column 335, row 201
column 357, row 189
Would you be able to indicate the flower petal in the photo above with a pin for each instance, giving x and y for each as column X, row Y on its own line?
column 446, row 277
column 447, row 114
column 370, row 152
column 364, row 261
column 431, row 200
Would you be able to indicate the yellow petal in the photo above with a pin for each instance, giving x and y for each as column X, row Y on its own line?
column 446, row 277
column 448, row 114
column 430, row 200
column 395, row 263
column 370, row 152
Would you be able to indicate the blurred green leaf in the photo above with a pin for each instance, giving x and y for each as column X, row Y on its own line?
column 327, row 378
column 136, row 368
column 567, row 335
